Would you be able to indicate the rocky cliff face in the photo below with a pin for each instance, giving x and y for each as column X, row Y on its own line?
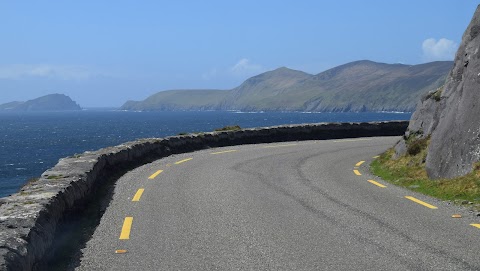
column 451, row 115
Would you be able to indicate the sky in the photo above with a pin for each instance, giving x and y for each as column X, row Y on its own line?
column 103, row 53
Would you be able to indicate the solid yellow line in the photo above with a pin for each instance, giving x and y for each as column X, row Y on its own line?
column 155, row 174
column 357, row 172
column 276, row 146
column 220, row 152
column 127, row 226
column 138, row 195
column 377, row 184
column 475, row 225
column 183, row 161
column 359, row 163
column 421, row 202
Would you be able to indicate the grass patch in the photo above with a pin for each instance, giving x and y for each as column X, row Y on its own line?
column 228, row 128
column 32, row 180
column 55, row 177
column 409, row 172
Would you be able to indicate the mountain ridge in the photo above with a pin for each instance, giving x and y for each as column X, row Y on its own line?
column 357, row 86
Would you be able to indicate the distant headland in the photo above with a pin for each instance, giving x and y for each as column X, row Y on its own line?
column 51, row 102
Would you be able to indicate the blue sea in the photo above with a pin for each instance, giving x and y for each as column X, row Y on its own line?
column 31, row 142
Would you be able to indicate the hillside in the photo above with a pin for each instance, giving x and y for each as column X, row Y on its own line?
column 356, row 86
column 182, row 99
column 52, row 102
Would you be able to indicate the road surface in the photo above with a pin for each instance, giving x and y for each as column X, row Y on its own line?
column 310, row 205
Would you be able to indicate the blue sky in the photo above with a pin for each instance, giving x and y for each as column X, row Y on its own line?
column 102, row 53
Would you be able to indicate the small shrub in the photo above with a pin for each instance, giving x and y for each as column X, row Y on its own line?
column 416, row 146
column 437, row 95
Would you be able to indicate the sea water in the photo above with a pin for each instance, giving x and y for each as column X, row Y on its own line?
column 31, row 142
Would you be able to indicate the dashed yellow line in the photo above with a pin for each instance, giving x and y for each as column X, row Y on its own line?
column 220, row 152
column 138, row 195
column 183, row 161
column 155, row 174
column 357, row 172
column 277, row 146
column 359, row 163
column 127, row 226
column 421, row 202
column 475, row 225
column 377, row 184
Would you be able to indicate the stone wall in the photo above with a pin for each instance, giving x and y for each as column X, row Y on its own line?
column 29, row 218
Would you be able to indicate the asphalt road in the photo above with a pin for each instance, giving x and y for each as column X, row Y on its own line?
column 288, row 206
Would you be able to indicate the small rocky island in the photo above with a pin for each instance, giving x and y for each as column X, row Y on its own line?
column 51, row 102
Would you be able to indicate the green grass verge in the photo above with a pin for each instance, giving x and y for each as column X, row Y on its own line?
column 409, row 172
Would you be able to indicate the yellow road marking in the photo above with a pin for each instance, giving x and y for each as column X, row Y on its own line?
column 220, row 152
column 285, row 145
column 359, row 163
column 183, row 161
column 376, row 183
column 155, row 174
column 475, row 225
column 357, row 172
column 120, row 251
column 138, row 195
column 421, row 202
column 127, row 226
column 375, row 157
column 352, row 140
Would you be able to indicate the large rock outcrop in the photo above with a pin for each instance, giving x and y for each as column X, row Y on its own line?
column 451, row 115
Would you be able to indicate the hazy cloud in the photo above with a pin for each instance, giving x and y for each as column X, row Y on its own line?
column 244, row 67
column 19, row 71
column 443, row 49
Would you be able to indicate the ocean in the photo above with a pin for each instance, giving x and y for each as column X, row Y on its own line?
column 32, row 142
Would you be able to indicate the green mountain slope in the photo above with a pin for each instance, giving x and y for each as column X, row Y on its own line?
column 183, row 99
column 356, row 86
column 52, row 102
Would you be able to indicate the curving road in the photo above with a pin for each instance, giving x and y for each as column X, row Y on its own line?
column 308, row 205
